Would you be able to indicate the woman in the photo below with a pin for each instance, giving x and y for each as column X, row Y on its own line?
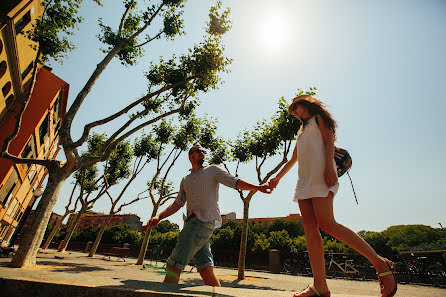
column 316, row 186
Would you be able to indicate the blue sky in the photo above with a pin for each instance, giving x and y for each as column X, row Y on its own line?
column 379, row 65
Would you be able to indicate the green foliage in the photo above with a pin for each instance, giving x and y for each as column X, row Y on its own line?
column 166, row 226
column 52, row 31
column 267, row 137
column 168, row 239
column 121, row 234
column 219, row 22
column 146, row 147
column 299, row 243
column 87, row 234
column 293, row 227
column 258, row 229
column 261, row 243
column 378, row 241
column 118, row 166
column 224, row 239
column 335, row 246
column 402, row 236
column 95, row 145
column 279, row 240
column 163, row 132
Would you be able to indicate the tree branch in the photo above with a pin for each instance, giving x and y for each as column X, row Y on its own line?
column 150, row 40
column 124, row 16
column 43, row 162
column 123, row 111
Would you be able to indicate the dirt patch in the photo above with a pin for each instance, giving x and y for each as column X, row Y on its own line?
column 247, row 278
column 57, row 267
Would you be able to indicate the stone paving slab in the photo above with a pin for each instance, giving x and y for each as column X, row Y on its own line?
column 74, row 274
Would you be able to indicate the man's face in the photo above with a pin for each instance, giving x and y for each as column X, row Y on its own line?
column 197, row 155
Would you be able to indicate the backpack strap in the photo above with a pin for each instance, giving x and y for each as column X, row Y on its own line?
column 353, row 188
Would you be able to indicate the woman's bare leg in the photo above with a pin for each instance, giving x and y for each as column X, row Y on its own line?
column 323, row 211
column 315, row 248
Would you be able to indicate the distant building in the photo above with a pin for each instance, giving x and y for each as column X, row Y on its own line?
column 267, row 221
column 228, row 216
column 98, row 219
column 38, row 136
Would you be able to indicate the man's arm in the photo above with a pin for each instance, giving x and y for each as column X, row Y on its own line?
column 244, row 185
column 170, row 210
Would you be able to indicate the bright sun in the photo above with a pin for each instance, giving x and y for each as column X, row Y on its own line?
column 273, row 33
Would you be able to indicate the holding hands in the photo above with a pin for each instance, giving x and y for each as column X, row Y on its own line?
column 153, row 222
column 265, row 188
column 268, row 187
column 273, row 182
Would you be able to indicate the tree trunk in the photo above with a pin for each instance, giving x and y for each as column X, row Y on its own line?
column 145, row 242
column 34, row 232
column 53, row 232
column 244, row 238
column 63, row 245
column 99, row 236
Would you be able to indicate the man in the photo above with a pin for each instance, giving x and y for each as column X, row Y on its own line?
column 199, row 190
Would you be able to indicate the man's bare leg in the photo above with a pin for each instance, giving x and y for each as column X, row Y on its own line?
column 209, row 277
column 172, row 274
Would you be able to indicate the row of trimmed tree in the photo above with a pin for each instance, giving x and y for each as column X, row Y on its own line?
column 174, row 85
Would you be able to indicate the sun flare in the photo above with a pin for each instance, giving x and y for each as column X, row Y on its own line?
column 274, row 32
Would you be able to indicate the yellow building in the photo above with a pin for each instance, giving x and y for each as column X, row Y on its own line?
column 16, row 54
column 38, row 135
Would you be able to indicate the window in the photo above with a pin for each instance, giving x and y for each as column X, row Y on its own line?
column 8, row 195
column 43, row 129
column 6, row 88
column 8, row 190
column 27, row 70
column 57, row 107
column 19, row 216
column 3, row 68
column 21, row 24
column 9, row 100
column 32, row 172
column 28, row 151
column 12, row 207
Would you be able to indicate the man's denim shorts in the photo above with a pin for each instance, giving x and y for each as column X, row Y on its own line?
column 193, row 243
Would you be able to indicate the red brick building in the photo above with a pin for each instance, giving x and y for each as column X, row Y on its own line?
column 97, row 220
column 267, row 221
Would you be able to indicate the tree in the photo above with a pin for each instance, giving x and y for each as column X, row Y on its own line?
column 115, row 169
column 68, row 211
column 379, row 242
column 170, row 145
column 144, row 151
column 266, row 140
column 172, row 86
column 293, row 227
column 412, row 235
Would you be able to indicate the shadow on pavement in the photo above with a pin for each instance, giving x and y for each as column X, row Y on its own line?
column 165, row 288
column 55, row 266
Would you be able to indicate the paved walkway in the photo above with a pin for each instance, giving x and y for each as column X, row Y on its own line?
column 74, row 274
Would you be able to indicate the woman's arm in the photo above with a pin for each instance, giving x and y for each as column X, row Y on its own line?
column 288, row 165
column 328, row 136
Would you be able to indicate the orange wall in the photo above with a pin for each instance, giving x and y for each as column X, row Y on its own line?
column 45, row 93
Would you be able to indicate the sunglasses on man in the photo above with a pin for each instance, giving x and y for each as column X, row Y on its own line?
column 198, row 150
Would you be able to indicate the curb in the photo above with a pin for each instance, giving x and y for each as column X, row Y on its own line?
column 25, row 288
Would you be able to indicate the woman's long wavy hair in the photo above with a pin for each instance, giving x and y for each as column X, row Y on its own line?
column 316, row 107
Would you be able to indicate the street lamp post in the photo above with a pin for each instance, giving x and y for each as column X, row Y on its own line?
column 36, row 193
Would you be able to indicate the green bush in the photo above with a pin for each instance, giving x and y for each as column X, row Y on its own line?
column 168, row 239
column 279, row 240
column 299, row 243
column 261, row 242
column 224, row 239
